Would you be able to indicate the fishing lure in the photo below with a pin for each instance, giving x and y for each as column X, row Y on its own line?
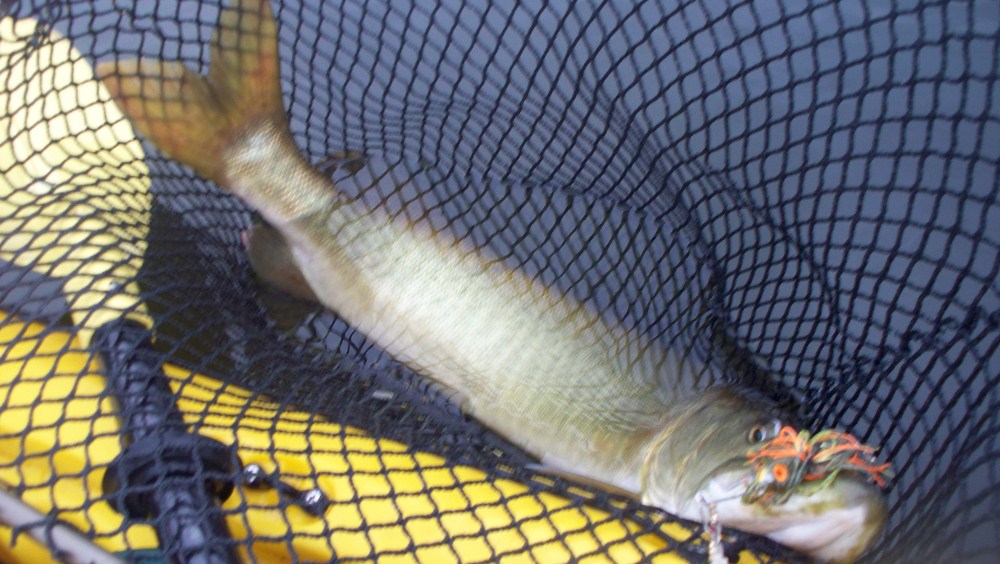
column 794, row 461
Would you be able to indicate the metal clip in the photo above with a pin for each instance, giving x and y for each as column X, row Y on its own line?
column 716, row 553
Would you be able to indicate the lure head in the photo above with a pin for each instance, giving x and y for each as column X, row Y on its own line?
column 706, row 454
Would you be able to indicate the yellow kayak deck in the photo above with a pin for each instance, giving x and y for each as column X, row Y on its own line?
column 59, row 432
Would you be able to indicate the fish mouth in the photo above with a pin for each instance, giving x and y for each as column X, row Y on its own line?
column 729, row 479
column 834, row 524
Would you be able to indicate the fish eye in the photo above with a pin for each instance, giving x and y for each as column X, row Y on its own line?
column 764, row 431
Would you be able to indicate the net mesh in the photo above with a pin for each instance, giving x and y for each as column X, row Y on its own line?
column 819, row 175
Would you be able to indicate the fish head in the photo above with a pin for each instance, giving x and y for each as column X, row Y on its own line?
column 702, row 457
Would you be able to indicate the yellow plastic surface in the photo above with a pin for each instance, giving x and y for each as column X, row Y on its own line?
column 74, row 188
column 58, row 433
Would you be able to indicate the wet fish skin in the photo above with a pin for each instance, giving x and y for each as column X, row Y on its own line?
column 579, row 392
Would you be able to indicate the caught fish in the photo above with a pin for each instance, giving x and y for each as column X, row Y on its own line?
column 582, row 394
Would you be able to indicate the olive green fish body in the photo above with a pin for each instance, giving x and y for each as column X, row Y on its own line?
column 537, row 367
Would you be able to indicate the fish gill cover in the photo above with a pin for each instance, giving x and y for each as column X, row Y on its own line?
column 819, row 178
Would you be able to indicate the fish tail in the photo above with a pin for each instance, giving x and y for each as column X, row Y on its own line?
column 194, row 118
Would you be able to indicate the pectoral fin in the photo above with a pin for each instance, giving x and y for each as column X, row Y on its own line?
column 272, row 260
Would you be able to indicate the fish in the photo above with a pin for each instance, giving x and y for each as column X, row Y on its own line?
column 582, row 393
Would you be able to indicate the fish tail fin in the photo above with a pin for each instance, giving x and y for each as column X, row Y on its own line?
column 193, row 118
